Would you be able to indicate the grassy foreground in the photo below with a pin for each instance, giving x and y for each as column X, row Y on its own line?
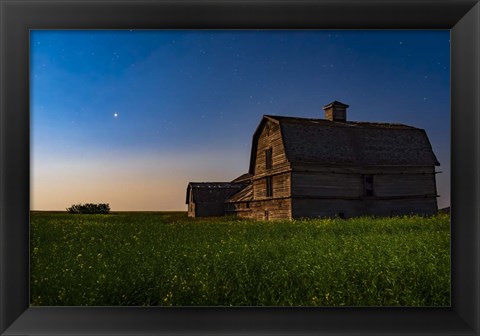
column 169, row 259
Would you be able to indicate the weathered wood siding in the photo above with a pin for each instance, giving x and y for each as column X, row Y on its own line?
column 347, row 182
column 191, row 209
column 277, row 209
column 191, row 203
column 318, row 184
column 239, row 209
column 404, row 185
column 270, row 137
column 281, row 186
column 280, row 208
column 339, row 191
column 317, row 208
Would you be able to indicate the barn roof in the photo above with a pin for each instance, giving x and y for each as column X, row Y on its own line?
column 351, row 143
column 244, row 195
column 247, row 177
column 212, row 191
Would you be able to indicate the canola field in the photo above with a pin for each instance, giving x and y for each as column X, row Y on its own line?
column 167, row 259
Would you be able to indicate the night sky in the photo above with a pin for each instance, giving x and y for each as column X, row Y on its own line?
column 130, row 117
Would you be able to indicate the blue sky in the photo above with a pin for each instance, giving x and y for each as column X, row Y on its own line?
column 130, row 117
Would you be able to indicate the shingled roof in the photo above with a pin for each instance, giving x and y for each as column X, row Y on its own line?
column 212, row 191
column 350, row 143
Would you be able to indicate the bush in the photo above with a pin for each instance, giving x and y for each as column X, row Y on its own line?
column 89, row 208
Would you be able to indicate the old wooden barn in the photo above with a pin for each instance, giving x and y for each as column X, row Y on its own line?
column 308, row 168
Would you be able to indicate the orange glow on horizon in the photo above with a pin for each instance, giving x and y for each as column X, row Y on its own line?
column 136, row 183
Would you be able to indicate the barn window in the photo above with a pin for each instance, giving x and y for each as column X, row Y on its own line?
column 368, row 185
column 269, row 186
column 268, row 158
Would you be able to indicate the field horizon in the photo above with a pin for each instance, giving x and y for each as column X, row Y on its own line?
column 155, row 211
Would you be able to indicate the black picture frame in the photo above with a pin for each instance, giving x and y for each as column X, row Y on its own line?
column 17, row 17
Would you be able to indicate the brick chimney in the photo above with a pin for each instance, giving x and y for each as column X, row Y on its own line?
column 336, row 111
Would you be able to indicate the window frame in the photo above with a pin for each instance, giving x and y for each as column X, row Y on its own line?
column 368, row 187
column 268, row 158
column 269, row 186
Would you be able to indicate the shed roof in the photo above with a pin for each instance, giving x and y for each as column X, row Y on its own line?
column 212, row 191
column 244, row 195
column 246, row 178
column 350, row 143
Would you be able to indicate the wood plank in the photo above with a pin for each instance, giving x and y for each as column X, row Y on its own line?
column 270, row 137
column 405, row 185
column 326, row 184
column 281, row 187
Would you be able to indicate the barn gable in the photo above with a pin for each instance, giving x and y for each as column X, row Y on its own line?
column 267, row 135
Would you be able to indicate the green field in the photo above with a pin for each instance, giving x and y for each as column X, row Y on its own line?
column 144, row 259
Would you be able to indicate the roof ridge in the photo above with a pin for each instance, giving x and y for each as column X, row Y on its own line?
column 342, row 123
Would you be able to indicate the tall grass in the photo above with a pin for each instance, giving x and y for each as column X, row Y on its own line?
column 169, row 259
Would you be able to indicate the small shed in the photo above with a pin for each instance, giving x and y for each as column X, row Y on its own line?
column 207, row 199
